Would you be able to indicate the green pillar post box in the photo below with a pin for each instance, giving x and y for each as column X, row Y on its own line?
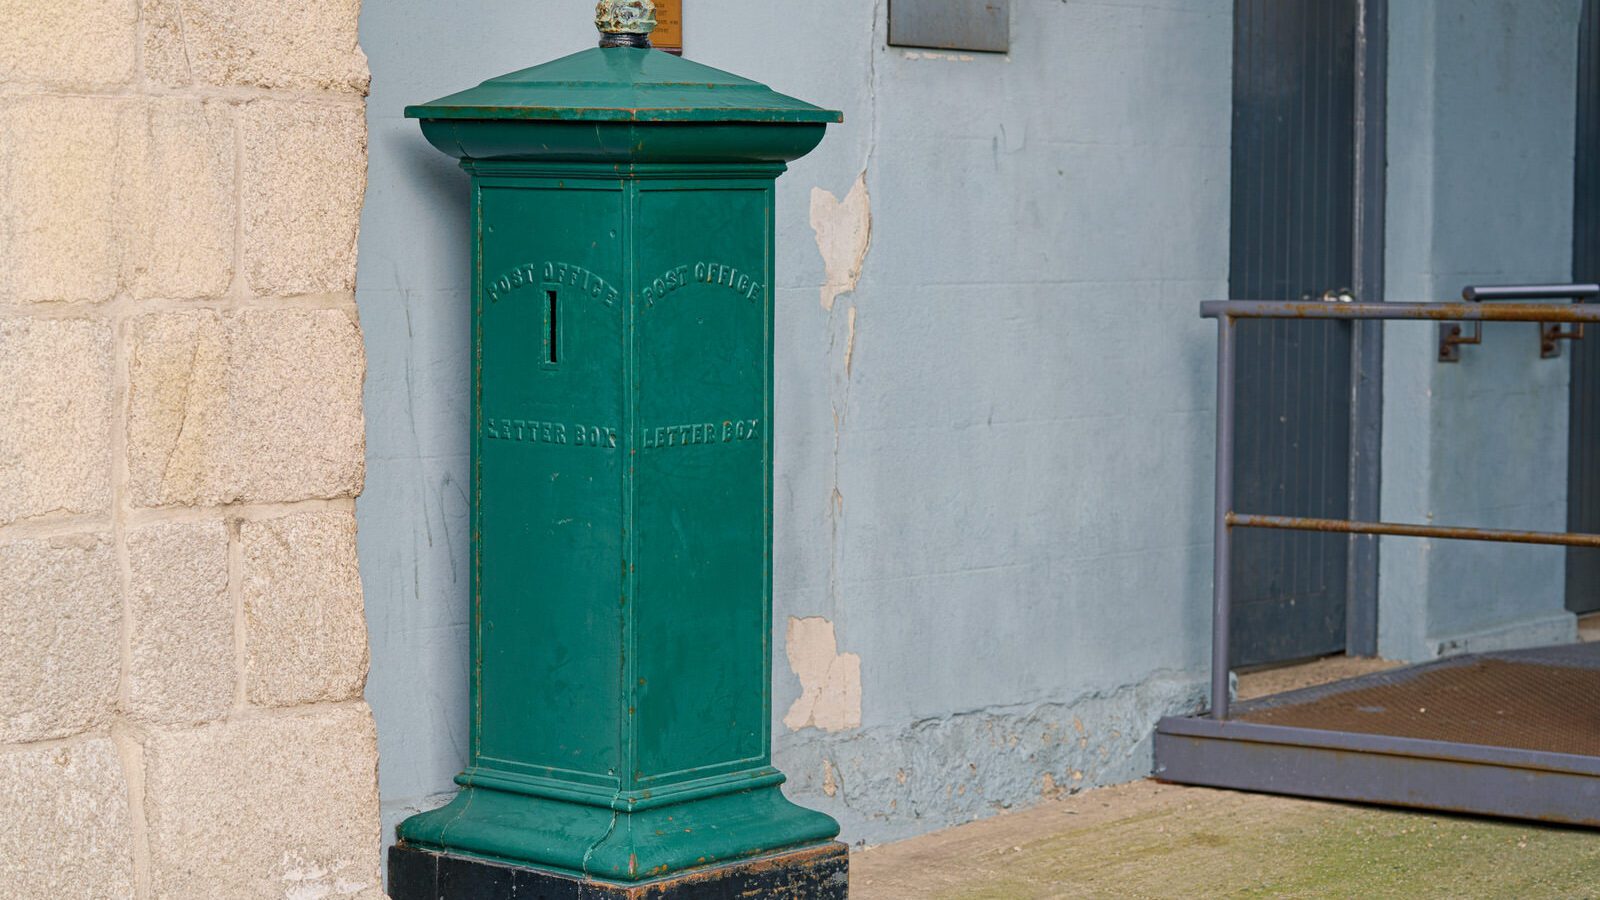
column 622, row 211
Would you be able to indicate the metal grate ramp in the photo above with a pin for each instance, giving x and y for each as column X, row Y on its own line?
column 1511, row 734
column 1529, row 702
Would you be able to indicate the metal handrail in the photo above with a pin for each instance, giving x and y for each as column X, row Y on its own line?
column 1451, row 339
column 1477, row 292
column 1398, row 529
column 1227, row 313
column 1433, row 312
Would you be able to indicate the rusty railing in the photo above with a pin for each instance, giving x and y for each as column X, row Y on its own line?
column 1228, row 313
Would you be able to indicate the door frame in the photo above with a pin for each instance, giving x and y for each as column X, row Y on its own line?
column 1578, row 584
column 1366, row 389
column 1369, row 143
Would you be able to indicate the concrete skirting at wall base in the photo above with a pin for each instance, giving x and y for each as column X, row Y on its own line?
column 1559, row 628
column 943, row 771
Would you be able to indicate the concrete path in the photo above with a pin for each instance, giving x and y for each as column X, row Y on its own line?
column 1154, row 840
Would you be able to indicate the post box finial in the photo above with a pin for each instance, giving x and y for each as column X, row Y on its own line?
column 625, row 23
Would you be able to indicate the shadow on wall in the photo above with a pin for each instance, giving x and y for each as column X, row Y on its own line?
column 414, row 282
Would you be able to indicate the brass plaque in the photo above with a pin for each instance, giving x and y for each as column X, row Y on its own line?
column 668, row 35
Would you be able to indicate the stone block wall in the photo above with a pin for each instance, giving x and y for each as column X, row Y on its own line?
column 182, row 644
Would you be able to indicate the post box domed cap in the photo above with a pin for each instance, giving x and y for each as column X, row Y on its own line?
column 624, row 84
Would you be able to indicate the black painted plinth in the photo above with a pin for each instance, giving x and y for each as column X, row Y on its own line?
column 814, row 873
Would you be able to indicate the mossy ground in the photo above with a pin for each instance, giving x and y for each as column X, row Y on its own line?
column 1150, row 840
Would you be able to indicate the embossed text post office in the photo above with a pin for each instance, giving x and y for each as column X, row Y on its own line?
column 622, row 210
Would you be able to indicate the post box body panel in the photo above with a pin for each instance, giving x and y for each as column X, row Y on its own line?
column 704, row 326
column 623, row 441
column 548, row 538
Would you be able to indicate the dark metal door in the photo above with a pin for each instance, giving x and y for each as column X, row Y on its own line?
column 1294, row 102
column 1583, row 482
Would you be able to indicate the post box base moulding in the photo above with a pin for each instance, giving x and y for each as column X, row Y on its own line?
column 819, row 872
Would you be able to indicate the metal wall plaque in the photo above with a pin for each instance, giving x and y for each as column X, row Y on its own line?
column 983, row 25
column 668, row 35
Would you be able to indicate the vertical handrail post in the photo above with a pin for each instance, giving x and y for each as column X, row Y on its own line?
column 1222, row 560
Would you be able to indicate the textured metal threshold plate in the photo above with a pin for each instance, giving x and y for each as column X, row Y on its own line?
column 1529, row 701
column 1512, row 734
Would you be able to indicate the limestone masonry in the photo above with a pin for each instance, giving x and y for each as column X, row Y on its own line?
column 182, row 641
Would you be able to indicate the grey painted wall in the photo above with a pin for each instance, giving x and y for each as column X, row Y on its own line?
column 1481, row 103
column 994, row 453
column 994, row 458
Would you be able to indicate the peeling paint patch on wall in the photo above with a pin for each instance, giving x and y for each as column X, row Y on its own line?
column 887, row 783
column 844, row 233
column 830, row 681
